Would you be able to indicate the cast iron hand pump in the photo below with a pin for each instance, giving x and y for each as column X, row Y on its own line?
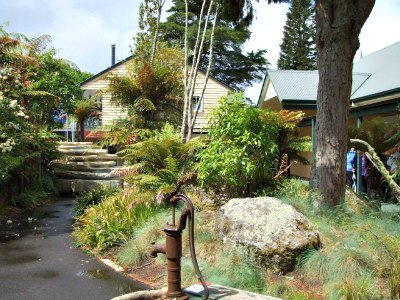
column 173, row 249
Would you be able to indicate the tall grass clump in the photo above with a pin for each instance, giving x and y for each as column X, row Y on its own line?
column 136, row 251
column 112, row 222
column 360, row 253
column 92, row 197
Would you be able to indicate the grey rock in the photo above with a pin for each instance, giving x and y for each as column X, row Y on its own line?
column 83, row 167
column 273, row 231
column 82, row 151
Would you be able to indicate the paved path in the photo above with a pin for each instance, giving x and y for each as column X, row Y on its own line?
column 38, row 261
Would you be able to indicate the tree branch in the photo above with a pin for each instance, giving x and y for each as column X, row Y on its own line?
column 381, row 168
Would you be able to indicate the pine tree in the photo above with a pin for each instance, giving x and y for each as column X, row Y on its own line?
column 298, row 45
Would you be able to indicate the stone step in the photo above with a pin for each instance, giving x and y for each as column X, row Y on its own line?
column 82, row 185
column 75, row 143
column 83, row 151
column 69, row 147
column 98, row 158
column 83, row 166
column 67, row 174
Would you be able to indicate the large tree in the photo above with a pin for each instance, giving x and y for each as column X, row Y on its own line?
column 338, row 24
column 230, row 64
column 298, row 45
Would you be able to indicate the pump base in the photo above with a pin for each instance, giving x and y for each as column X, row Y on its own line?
column 180, row 296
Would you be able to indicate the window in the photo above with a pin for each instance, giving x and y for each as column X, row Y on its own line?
column 195, row 102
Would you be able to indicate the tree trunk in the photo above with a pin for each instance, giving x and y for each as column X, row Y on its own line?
column 339, row 23
column 80, row 130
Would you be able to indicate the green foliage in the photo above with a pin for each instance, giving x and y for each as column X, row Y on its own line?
column 123, row 132
column 161, row 162
column 247, row 146
column 92, row 197
column 58, row 77
column 112, row 221
column 84, row 109
column 298, row 46
column 26, row 144
column 230, row 65
column 239, row 159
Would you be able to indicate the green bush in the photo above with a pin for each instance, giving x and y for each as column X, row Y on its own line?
column 239, row 159
column 92, row 197
column 114, row 220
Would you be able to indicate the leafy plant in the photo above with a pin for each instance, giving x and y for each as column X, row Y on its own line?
column 162, row 162
column 249, row 149
column 151, row 93
column 92, row 197
column 113, row 221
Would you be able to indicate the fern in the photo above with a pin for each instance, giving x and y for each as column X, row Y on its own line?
column 161, row 162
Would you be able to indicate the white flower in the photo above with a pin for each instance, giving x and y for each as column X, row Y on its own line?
column 13, row 103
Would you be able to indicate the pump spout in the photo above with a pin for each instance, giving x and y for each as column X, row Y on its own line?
column 156, row 249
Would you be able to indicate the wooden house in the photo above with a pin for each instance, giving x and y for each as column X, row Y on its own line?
column 111, row 113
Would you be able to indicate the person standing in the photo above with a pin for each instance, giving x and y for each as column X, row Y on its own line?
column 351, row 162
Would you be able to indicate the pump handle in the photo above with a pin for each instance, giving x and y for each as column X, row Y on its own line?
column 189, row 212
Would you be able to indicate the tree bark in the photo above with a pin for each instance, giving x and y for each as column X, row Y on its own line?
column 339, row 23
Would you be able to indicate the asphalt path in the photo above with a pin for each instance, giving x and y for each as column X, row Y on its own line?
column 38, row 260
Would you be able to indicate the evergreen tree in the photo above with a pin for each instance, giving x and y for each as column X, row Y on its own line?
column 298, row 45
column 230, row 65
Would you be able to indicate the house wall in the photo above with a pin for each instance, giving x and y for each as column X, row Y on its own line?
column 110, row 112
column 213, row 92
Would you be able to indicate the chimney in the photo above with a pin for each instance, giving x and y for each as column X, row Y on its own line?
column 112, row 54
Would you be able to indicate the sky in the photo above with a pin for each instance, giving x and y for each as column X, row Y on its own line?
column 83, row 30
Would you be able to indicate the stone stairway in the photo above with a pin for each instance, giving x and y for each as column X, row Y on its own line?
column 83, row 167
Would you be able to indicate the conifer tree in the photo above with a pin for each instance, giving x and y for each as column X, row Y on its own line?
column 298, row 45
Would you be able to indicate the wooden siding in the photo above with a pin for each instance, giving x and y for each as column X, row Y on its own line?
column 214, row 91
column 110, row 113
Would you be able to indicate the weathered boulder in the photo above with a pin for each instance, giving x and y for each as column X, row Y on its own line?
column 273, row 231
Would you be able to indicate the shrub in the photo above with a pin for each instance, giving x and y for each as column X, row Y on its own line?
column 92, row 197
column 161, row 162
column 249, row 148
column 240, row 156
column 112, row 221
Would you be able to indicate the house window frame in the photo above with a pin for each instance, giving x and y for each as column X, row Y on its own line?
column 194, row 103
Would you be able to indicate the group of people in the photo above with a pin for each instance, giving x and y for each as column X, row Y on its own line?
column 369, row 176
